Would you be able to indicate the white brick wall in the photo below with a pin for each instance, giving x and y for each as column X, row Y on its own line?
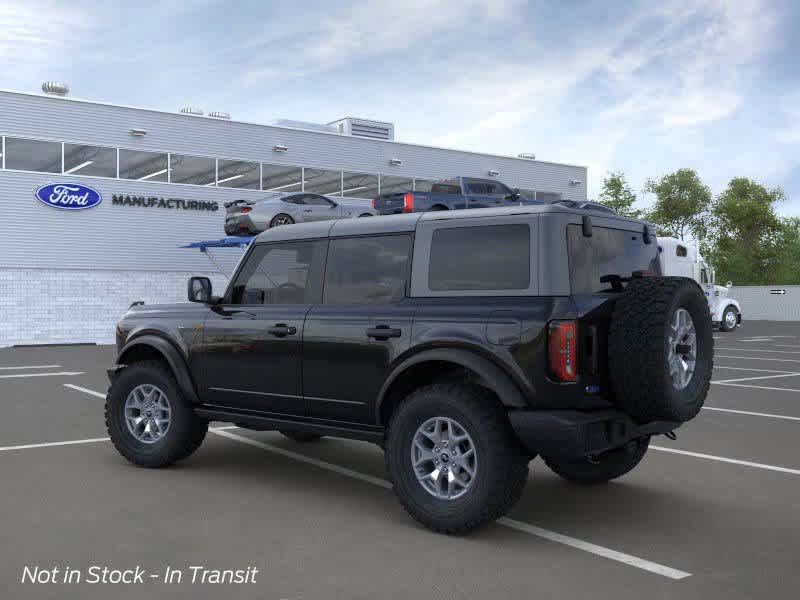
column 42, row 306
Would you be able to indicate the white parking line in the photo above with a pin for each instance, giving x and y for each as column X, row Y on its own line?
column 791, row 360
column 553, row 536
column 30, row 367
column 786, row 345
column 751, row 413
column 61, row 373
column 85, row 390
column 732, row 461
column 750, row 369
column 760, row 350
column 51, row 444
column 759, row 377
column 760, row 387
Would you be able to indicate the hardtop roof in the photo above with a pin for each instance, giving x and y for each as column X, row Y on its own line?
column 408, row 222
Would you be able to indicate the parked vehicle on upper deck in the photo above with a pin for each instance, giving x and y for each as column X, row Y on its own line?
column 249, row 217
column 449, row 194
column 683, row 259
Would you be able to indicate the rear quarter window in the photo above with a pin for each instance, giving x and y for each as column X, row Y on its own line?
column 491, row 257
column 607, row 252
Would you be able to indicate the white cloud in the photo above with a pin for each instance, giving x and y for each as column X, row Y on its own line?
column 36, row 33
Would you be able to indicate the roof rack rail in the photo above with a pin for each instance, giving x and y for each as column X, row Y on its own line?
column 586, row 206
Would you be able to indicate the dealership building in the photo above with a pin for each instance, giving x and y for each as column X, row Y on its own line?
column 72, row 260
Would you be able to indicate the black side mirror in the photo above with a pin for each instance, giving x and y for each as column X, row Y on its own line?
column 199, row 289
column 514, row 195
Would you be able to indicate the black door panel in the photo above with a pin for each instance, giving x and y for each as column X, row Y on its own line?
column 248, row 366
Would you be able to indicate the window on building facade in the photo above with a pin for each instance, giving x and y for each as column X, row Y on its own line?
column 280, row 178
column 195, row 170
column 144, row 166
column 323, row 181
column 238, row 174
column 396, row 185
column 360, row 185
column 96, row 161
column 33, row 155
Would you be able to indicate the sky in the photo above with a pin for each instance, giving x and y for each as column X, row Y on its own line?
column 639, row 87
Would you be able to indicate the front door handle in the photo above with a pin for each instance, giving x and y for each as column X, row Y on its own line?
column 282, row 330
column 383, row 332
column 308, row 210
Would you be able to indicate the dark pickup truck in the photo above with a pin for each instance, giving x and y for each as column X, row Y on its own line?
column 449, row 194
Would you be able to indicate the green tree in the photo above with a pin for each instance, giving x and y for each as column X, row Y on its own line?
column 617, row 194
column 681, row 206
column 751, row 244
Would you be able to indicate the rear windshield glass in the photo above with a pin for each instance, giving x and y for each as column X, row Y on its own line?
column 607, row 252
column 486, row 257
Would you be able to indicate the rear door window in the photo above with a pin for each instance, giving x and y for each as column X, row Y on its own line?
column 367, row 269
column 607, row 252
column 490, row 257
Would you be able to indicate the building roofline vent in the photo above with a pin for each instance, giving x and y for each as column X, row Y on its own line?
column 218, row 114
column 192, row 110
column 55, row 88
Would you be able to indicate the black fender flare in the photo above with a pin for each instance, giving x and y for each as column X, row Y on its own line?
column 171, row 354
column 495, row 378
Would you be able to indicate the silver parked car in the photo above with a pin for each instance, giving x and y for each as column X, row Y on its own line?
column 249, row 217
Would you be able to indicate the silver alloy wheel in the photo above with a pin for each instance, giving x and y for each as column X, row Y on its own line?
column 730, row 319
column 682, row 349
column 148, row 413
column 443, row 457
column 282, row 220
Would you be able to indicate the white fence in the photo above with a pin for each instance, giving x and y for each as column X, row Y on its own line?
column 768, row 302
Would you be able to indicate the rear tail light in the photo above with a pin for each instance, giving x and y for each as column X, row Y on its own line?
column 374, row 204
column 562, row 340
column 246, row 209
column 408, row 202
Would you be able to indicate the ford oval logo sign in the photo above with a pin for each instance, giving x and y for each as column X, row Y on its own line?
column 69, row 196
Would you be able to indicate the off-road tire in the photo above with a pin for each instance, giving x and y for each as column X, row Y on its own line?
column 637, row 349
column 610, row 465
column 502, row 469
column 723, row 324
column 186, row 431
column 301, row 436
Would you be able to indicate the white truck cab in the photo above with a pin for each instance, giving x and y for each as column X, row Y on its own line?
column 682, row 259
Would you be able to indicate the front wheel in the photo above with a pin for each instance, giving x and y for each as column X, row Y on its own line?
column 453, row 459
column 610, row 465
column 730, row 319
column 148, row 420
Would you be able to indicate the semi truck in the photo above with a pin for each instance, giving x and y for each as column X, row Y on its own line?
column 682, row 259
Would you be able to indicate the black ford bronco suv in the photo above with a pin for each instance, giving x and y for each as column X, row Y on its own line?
column 464, row 343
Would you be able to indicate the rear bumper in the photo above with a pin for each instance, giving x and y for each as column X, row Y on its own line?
column 574, row 434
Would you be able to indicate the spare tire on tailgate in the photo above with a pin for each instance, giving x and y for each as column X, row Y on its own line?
column 661, row 349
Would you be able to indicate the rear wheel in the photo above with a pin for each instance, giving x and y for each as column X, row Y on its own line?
column 301, row 436
column 148, row 419
column 610, row 465
column 730, row 319
column 453, row 459
column 281, row 219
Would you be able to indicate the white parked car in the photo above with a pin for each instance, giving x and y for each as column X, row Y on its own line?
column 250, row 217
column 682, row 259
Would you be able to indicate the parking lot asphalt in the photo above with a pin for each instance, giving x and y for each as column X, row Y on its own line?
column 712, row 514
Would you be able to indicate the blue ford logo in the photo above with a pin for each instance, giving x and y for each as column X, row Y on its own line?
column 69, row 196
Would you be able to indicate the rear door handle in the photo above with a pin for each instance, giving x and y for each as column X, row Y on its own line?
column 383, row 332
column 282, row 330
column 308, row 210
